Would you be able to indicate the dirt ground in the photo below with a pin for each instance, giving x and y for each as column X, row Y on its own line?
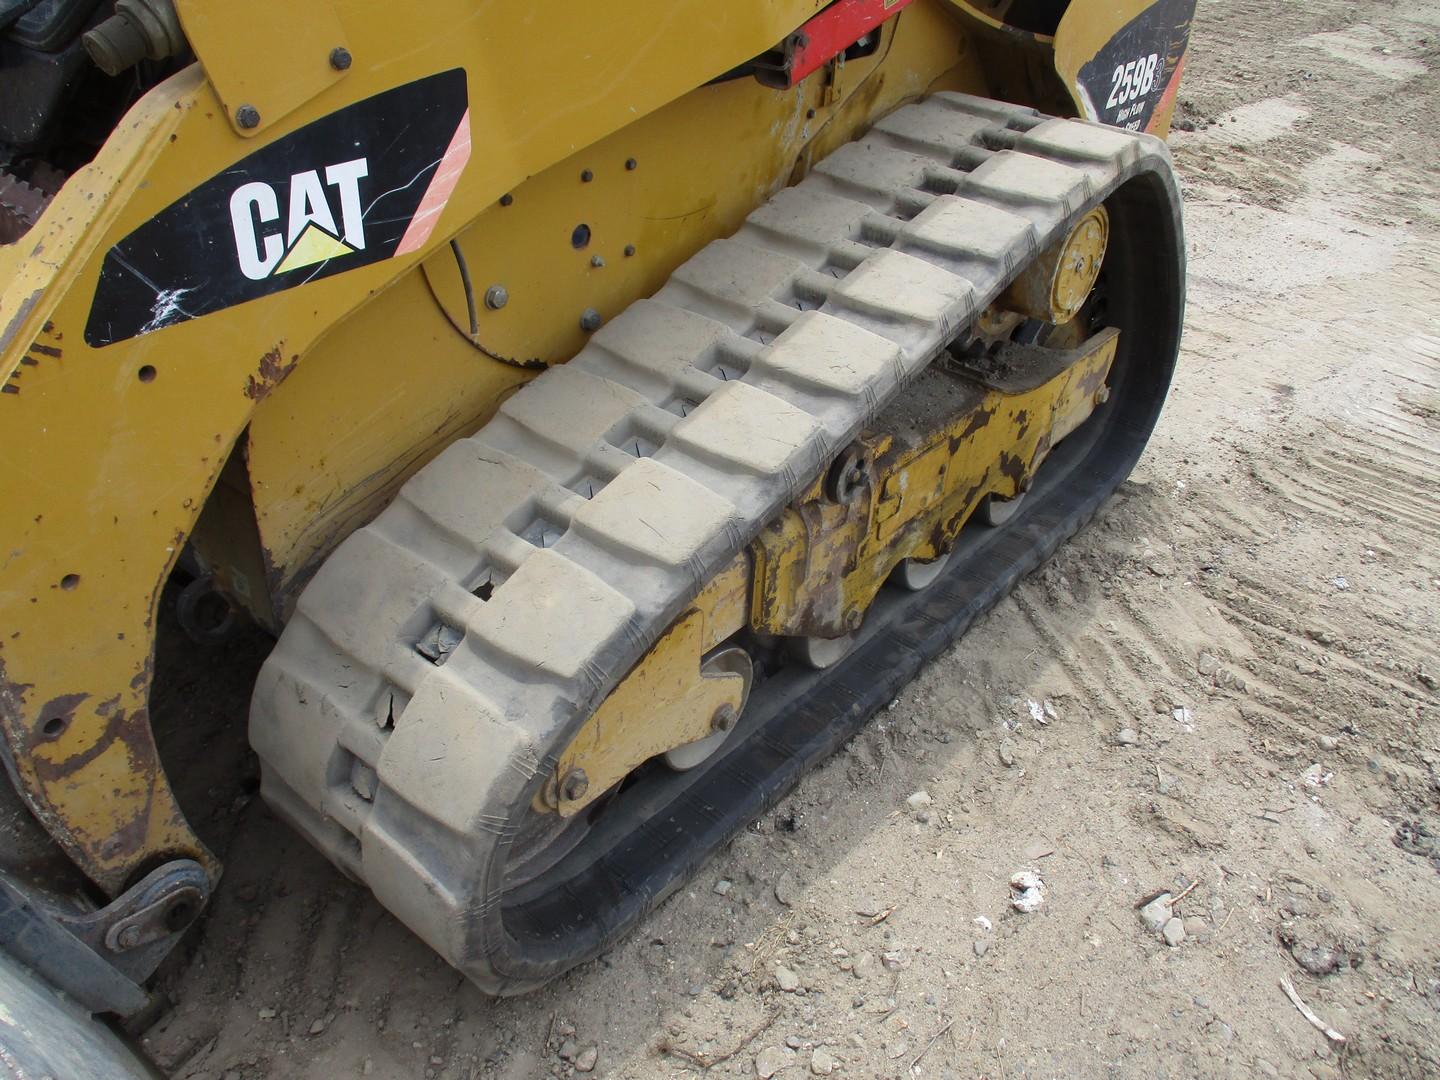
column 1226, row 687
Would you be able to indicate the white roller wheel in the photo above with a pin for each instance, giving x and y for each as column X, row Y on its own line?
column 917, row 574
column 996, row 512
column 818, row 653
column 732, row 661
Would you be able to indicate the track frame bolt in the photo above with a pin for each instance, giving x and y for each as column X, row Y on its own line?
column 574, row 785
column 590, row 320
column 340, row 58
column 724, row 718
column 247, row 117
column 496, row 297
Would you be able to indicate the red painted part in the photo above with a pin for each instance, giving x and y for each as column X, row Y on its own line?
column 835, row 29
column 1169, row 94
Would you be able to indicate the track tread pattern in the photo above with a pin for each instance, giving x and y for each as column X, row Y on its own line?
column 445, row 652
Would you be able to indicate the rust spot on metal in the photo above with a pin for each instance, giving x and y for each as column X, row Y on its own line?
column 1014, row 468
column 54, row 717
column 273, row 369
column 978, row 420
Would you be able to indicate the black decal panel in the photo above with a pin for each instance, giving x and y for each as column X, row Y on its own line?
column 357, row 186
column 1126, row 81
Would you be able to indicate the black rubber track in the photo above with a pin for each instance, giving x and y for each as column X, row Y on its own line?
column 656, row 834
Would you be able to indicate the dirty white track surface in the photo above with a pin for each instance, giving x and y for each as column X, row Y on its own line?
column 443, row 657
column 1272, row 573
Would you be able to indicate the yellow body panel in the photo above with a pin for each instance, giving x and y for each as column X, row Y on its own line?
column 334, row 392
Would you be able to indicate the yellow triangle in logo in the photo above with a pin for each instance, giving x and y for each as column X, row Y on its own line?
column 315, row 245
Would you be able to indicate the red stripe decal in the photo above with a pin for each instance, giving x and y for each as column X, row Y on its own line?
column 442, row 185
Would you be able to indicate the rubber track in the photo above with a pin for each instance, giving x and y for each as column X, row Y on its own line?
column 445, row 654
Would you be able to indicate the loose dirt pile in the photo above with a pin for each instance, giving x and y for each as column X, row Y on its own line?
column 1225, row 690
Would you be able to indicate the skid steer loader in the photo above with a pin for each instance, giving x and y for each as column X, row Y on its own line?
column 606, row 406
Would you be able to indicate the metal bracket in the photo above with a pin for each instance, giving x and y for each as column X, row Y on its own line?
column 102, row 957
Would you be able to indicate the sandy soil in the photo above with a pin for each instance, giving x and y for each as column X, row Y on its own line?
column 1234, row 679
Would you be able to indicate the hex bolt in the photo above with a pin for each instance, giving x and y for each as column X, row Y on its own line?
column 506, row 199
column 724, row 718
column 496, row 297
column 129, row 937
column 575, row 785
column 340, row 58
column 631, row 164
column 590, row 320
column 586, row 176
column 247, row 116
column 629, row 250
column 596, row 261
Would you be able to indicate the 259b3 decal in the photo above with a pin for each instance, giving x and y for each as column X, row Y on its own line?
column 1126, row 82
column 363, row 184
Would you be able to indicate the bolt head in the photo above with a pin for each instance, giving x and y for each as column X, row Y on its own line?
column 496, row 297
column 590, row 320
column 129, row 937
column 586, row 176
column 340, row 58
column 596, row 261
column 247, row 117
column 629, row 250
column 631, row 164
column 575, row 785
column 724, row 718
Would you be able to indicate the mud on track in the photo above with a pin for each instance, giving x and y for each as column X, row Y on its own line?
column 1260, row 604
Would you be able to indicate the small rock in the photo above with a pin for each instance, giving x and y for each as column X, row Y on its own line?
column 1207, row 664
column 923, row 817
column 586, row 1061
column 822, row 1062
column 1173, row 932
column 1006, row 754
column 786, row 889
column 1027, row 891
column 1050, row 711
column 569, row 1049
column 1329, row 742
column 919, row 801
column 864, row 964
column 794, row 1042
column 1127, row 737
column 769, row 1062
column 564, row 1029
column 1218, row 1029
column 981, row 946
column 787, row 979
column 267, row 1013
column 1197, row 928
column 857, row 1040
column 1156, row 913
column 1318, row 960
column 723, row 887
column 317, row 1027
column 892, row 961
